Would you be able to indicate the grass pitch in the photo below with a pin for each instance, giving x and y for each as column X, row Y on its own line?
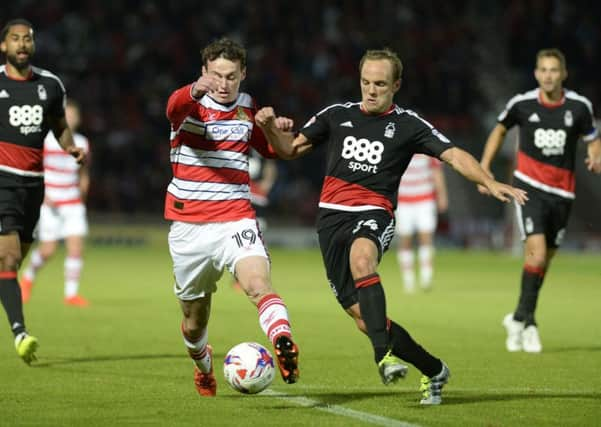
column 121, row 360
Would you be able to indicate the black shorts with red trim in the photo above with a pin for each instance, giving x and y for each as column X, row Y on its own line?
column 20, row 201
column 543, row 213
column 337, row 230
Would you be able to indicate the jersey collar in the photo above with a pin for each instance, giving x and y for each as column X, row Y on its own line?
column 385, row 113
column 551, row 104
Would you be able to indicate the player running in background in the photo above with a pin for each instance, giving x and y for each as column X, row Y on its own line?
column 370, row 144
column 31, row 104
column 551, row 121
column 214, row 225
column 63, row 213
column 422, row 195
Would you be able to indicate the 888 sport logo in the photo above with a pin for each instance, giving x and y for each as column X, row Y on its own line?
column 28, row 118
column 366, row 154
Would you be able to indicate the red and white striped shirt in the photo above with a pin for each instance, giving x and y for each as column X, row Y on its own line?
column 210, row 144
column 61, row 171
column 417, row 183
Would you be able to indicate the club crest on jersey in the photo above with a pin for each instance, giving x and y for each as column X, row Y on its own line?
column 389, row 130
column 568, row 119
column 241, row 114
column 42, row 93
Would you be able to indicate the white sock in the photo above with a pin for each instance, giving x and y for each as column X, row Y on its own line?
column 73, row 268
column 426, row 271
column 273, row 317
column 406, row 260
column 35, row 263
column 198, row 350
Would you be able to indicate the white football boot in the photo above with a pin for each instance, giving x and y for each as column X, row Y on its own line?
column 514, row 333
column 531, row 340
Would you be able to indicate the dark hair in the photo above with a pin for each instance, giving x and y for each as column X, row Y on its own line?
column 12, row 23
column 72, row 103
column 224, row 48
column 388, row 54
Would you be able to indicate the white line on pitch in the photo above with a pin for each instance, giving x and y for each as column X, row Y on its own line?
column 340, row 410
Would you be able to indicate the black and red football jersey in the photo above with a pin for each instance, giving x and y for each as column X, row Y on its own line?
column 25, row 106
column 367, row 154
column 548, row 138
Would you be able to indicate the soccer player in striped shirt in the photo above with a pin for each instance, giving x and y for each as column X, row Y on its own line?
column 208, row 200
column 422, row 195
column 63, row 213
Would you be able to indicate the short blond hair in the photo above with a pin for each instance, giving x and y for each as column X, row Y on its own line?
column 552, row 53
column 388, row 54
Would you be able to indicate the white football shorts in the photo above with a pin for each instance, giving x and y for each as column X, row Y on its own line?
column 420, row 217
column 58, row 222
column 200, row 253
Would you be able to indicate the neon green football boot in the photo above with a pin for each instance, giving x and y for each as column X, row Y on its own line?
column 26, row 346
column 391, row 368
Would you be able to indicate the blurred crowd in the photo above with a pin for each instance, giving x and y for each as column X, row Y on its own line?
column 121, row 60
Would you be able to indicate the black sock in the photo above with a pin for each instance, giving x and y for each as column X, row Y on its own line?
column 532, row 281
column 10, row 295
column 406, row 348
column 372, row 303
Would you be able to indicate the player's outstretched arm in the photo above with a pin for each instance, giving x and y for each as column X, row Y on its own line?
column 593, row 158
column 493, row 144
column 277, row 130
column 64, row 136
column 464, row 163
column 440, row 186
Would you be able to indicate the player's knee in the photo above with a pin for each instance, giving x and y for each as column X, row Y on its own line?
column 361, row 266
column 193, row 329
column 361, row 325
column 10, row 261
column 46, row 253
column 256, row 288
column 536, row 259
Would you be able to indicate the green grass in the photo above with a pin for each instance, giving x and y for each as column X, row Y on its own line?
column 121, row 361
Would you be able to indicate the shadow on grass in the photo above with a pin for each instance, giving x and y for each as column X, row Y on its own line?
column 49, row 362
column 463, row 397
column 323, row 400
column 575, row 349
column 408, row 398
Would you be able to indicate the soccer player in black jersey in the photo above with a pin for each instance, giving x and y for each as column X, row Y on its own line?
column 31, row 103
column 551, row 121
column 370, row 144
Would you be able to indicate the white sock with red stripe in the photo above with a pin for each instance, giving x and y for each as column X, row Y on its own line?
column 198, row 350
column 425, row 253
column 273, row 317
column 73, row 268
column 406, row 260
column 35, row 263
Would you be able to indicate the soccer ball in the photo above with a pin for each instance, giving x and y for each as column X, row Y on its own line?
column 248, row 368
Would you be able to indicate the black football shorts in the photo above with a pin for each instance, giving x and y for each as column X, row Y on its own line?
column 20, row 201
column 337, row 230
column 543, row 213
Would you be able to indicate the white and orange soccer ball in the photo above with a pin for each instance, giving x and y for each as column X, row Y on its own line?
column 249, row 368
